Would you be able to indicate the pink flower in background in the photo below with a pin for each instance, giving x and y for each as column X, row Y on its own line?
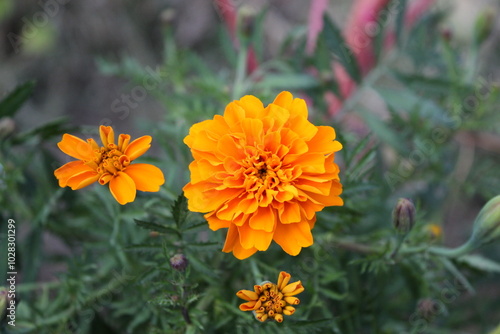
column 361, row 28
column 229, row 13
column 315, row 23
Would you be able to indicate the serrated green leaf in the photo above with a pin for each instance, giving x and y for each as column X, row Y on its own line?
column 180, row 210
column 336, row 44
column 479, row 262
column 155, row 227
column 196, row 226
column 10, row 104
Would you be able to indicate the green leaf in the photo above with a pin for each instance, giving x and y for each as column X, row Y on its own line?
column 196, row 226
column 407, row 100
column 45, row 131
column 10, row 104
column 204, row 244
column 180, row 210
column 336, row 44
column 143, row 247
column 155, row 227
column 381, row 129
column 333, row 295
column 480, row 263
column 289, row 81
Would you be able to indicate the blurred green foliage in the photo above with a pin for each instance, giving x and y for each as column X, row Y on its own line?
column 360, row 275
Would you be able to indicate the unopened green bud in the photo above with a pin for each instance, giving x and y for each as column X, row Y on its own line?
column 483, row 26
column 179, row 262
column 486, row 227
column 403, row 215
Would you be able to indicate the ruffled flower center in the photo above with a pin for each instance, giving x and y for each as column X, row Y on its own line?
column 272, row 300
column 108, row 161
column 264, row 171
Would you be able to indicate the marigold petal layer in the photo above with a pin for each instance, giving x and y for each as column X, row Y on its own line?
column 146, row 177
column 122, row 188
column 75, row 147
column 70, row 169
column 263, row 173
column 138, row 147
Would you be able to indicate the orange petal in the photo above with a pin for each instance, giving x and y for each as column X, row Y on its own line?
column 252, row 128
column 122, row 188
column 293, row 289
column 247, row 295
column 231, row 239
column 123, row 141
column 253, row 106
column 299, row 108
column 107, row 135
column 68, row 170
column 137, row 148
column 251, row 305
column 302, row 127
column 284, row 99
column 292, row 237
column 283, row 279
column 75, row 147
column 215, row 223
column 146, row 177
column 241, row 253
column 263, row 219
column 290, row 213
column 82, row 180
column 251, row 239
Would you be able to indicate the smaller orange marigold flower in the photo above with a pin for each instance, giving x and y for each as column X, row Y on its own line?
column 110, row 163
column 270, row 301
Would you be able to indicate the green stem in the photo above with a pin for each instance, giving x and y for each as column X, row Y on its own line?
column 401, row 240
column 241, row 68
column 451, row 252
column 255, row 271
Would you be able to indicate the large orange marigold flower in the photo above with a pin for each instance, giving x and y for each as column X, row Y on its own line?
column 110, row 163
column 263, row 173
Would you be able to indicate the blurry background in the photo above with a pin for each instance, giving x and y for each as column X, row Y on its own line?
column 65, row 45
column 57, row 42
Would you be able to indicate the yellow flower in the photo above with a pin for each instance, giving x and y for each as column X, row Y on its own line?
column 434, row 231
column 271, row 301
column 109, row 163
column 263, row 173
